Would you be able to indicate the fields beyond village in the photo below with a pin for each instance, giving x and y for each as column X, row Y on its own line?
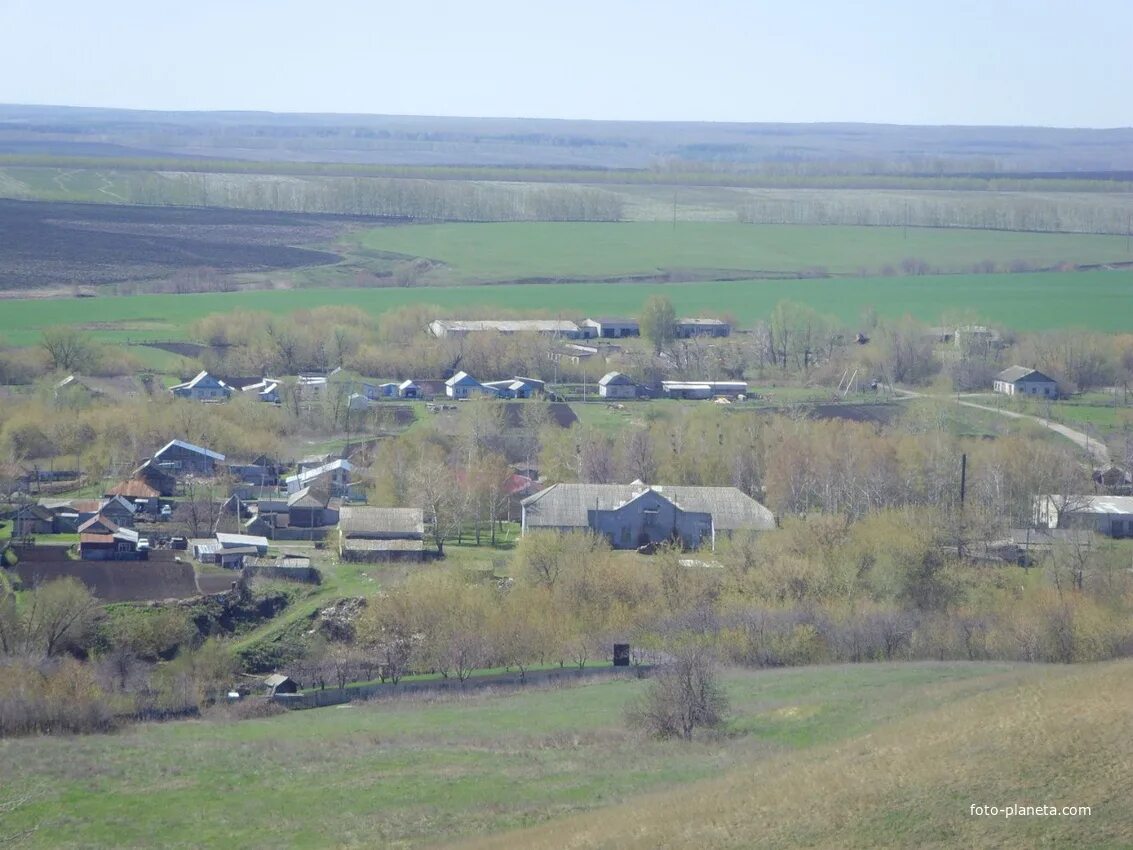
column 900, row 751
column 1094, row 300
column 572, row 251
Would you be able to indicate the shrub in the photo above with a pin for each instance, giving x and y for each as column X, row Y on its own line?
column 684, row 696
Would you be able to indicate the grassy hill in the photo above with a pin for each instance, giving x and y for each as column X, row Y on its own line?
column 868, row 755
column 1055, row 740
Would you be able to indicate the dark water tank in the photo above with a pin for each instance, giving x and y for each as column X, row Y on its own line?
column 621, row 654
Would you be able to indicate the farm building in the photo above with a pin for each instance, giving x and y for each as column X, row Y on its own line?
column 1114, row 479
column 616, row 385
column 333, row 476
column 688, row 328
column 177, row 456
column 443, row 328
column 1019, row 380
column 203, row 387
column 408, row 389
column 1108, row 515
column 634, row 515
column 231, row 557
column 574, row 353
column 381, row 534
column 703, row 389
column 610, row 328
column 239, row 541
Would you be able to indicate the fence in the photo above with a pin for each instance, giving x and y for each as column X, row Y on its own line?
column 351, row 693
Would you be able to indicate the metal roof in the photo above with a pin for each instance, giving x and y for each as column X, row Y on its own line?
column 567, row 505
column 365, row 519
column 189, row 447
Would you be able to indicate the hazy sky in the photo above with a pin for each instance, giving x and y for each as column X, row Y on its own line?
column 1048, row 62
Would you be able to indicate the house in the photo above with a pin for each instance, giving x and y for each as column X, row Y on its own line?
column 333, row 476
column 203, row 387
column 119, row 509
column 277, row 683
column 83, row 386
column 610, row 328
column 161, row 480
column 616, row 385
column 381, row 534
column 703, row 389
column 1019, row 380
column 442, row 328
column 311, row 507
column 635, row 515
column 229, row 557
column 135, row 490
column 33, row 519
column 1108, row 515
column 687, row 328
column 462, row 385
column 518, row 387
column 177, row 456
column 265, row 390
column 357, row 401
column 100, row 539
column 408, row 389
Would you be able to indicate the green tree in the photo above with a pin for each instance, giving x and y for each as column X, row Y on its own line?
column 659, row 322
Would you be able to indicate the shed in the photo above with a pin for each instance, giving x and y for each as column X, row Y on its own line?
column 277, row 683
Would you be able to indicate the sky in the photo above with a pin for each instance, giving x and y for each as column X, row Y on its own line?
column 1006, row 62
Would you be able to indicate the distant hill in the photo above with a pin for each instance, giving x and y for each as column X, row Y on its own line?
column 546, row 143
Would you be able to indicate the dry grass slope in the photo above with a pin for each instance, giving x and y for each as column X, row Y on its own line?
column 1064, row 740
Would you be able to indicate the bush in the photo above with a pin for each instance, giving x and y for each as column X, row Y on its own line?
column 684, row 696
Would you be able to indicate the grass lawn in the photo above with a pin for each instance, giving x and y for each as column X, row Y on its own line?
column 575, row 250
column 407, row 774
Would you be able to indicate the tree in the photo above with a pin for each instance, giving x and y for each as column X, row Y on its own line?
column 432, row 483
column 53, row 616
column 66, row 347
column 659, row 322
column 685, row 695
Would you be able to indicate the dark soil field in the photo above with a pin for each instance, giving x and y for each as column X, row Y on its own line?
column 115, row 581
column 44, row 245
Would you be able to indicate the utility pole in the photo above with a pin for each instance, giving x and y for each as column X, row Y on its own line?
column 963, row 478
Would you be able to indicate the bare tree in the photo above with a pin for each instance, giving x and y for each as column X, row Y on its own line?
column 66, row 347
column 684, row 696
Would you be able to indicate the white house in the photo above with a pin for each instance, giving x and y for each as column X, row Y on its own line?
column 616, row 385
column 266, row 390
column 703, row 389
column 1019, row 380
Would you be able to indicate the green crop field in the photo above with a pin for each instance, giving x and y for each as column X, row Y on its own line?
column 406, row 774
column 508, row 251
column 1096, row 300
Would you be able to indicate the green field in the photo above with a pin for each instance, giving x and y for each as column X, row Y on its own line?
column 411, row 773
column 1095, row 300
column 485, row 252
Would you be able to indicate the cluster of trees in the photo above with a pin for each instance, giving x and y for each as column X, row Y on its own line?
column 68, row 666
column 824, row 589
column 981, row 210
column 415, row 199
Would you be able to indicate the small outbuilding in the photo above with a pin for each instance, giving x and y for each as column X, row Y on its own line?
column 277, row 683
